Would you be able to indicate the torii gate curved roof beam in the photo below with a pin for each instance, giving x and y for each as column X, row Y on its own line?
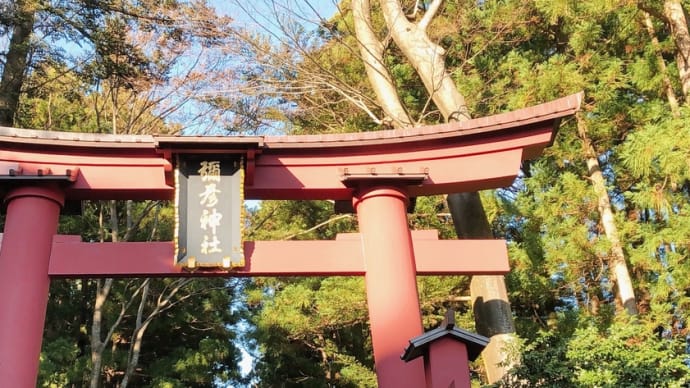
column 455, row 157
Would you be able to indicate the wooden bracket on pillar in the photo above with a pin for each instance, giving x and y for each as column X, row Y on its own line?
column 345, row 207
column 16, row 172
column 351, row 177
column 13, row 175
column 396, row 177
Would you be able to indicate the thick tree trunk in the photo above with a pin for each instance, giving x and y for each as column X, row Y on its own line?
column 677, row 20
column 492, row 314
column 16, row 61
column 426, row 57
column 492, row 310
column 617, row 263
column 371, row 50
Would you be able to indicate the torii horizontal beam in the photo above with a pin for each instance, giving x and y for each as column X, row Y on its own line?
column 72, row 258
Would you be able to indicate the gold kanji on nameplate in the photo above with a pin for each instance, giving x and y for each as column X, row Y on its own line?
column 208, row 211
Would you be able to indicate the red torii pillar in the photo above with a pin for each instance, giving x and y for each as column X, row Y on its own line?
column 390, row 282
column 30, row 224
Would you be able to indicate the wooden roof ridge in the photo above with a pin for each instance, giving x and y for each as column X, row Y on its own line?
column 36, row 136
column 483, row 126
column 552, row 110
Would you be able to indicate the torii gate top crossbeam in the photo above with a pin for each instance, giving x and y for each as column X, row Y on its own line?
column 454, row 157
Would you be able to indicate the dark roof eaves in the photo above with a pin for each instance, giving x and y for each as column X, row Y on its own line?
column 418, row 346
column 543, row 113
column 81, row 137
column 550, row 111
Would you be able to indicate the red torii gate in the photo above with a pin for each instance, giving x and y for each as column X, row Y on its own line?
column 377, row 171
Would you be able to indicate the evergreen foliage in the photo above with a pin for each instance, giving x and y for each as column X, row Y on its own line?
column 191, row 344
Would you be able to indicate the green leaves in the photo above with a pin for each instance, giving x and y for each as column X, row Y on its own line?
column 583, row 354
column 626, row 354
column 61, row 363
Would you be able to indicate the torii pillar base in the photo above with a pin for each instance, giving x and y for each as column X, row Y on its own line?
column 391, row 284
column 31, row 222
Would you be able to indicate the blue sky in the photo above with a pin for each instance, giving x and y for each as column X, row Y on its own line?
column 260, row 15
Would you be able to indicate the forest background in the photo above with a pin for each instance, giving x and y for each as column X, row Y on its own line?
column 597, row 228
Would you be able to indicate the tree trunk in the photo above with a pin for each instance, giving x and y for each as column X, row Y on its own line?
column 163, row 303
column 371, row 50
column 16, row 61
column 426, row 57
column 492, row 314
column 102, row 291
column 491, row 306
column 668, row 87
column 678, row 22
column 103, row 287
column 617, row 263
column 137, row 336
column 98, row 345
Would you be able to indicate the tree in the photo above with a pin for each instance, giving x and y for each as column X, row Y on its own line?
column 633, row 93
column 14, row 67
column 175, row 51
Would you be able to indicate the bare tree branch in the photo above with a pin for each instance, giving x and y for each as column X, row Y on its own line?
column 430, row 14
